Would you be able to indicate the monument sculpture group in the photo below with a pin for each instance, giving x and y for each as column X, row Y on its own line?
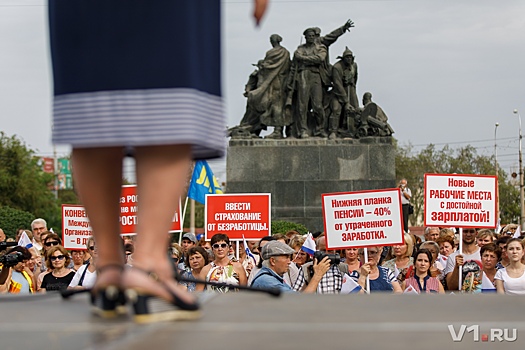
column 324, row 139
column 306, row 96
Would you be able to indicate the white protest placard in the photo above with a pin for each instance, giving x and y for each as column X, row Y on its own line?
column 75, row 226
column 459, row 200
column 363, row 219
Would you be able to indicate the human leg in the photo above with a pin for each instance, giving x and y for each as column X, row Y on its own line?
column 161, row 175
column 98, row 179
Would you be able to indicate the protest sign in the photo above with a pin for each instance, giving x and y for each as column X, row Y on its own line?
column 76, row 227
column 457, row 200
column 238, row 214
column 363, row 219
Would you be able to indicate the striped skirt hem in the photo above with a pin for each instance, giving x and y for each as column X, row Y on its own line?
column 142, row 117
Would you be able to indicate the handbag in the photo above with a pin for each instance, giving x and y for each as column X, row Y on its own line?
column 410, row 209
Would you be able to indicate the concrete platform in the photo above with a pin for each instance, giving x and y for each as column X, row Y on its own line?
column 257, row 321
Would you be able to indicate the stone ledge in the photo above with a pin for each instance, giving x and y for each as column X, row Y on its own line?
column 313, row 141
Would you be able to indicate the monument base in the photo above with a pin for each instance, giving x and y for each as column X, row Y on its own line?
column 297, row 171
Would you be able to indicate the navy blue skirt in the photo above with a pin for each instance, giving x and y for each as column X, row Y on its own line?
column 137, row 73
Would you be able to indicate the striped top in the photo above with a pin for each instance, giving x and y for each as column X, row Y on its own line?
column 430, row 284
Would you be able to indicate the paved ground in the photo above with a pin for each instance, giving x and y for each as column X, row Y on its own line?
column 257, row 321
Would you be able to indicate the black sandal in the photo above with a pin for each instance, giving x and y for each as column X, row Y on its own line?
column 109, row 301
column 150, row 308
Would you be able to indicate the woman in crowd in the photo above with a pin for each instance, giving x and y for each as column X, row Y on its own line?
column 436, row 266
column 509, row 230
column 352, row 259
column 222, row 269
column 402, row 257
column 87, row 274
column 485, row 236
column 490, row 255
column 382, row 279
column 77, row 258
column 422, row 281
column 196, row 259
column 511, row 279
column 60, row 276
column 299, row 257
column 446, row 247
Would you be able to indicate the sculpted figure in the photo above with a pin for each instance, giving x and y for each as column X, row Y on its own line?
column 373, row 120
column 306, row 81
column 250, row 126
column 265, row 91
column 344, row 101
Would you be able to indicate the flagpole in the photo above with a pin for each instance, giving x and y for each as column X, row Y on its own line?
column 183, row 217
column 192, row 216
column 367, row 276
column 460, row 252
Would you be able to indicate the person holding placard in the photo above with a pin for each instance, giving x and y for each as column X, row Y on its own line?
column 222, row 269
column 382, row 279
column 511, row 279
column 470, row 259
column 402, row 257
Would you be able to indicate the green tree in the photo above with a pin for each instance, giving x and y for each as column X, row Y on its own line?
column 285, row 226
column 23, row 184
column 13, row 219
column 413, row 166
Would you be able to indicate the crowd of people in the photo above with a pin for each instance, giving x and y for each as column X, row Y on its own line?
column 488, row 262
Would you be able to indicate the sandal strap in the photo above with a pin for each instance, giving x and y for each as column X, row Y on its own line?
column 101, row 269
column 175, row 300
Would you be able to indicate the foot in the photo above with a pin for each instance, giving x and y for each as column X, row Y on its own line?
column 304, row 135
column 332, row 136
column 155, row 283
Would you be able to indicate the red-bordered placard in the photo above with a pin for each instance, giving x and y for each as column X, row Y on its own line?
column 461, row 200
column 238, row 214
column 76, row 227
column 363, row 218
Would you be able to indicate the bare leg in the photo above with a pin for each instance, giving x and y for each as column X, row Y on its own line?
column 161, row 175
column 98, row 179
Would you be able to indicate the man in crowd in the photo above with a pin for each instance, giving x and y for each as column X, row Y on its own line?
column 188, row 240
column 276, row 261
column 470, row 260
column 431, row 234
column 331, row 281
column 405, row 201
column 38, row 226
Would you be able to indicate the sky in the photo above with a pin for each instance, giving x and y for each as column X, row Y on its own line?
column 444, row 72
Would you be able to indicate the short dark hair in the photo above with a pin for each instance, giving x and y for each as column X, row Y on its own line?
column 503, row 240
column 220, row 237
column 491, row 247
column 26, row 254
column 193, row 251
column 54, row 236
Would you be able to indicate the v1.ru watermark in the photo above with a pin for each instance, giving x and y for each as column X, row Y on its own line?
column 499, row 334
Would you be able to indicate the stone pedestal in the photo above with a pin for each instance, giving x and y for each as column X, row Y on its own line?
column 297, row 171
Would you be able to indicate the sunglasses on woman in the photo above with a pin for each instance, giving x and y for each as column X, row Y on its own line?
column 51, row 243
column 59, row 257
column 222, row 245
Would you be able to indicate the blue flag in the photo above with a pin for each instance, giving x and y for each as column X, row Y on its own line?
column 203, row 182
